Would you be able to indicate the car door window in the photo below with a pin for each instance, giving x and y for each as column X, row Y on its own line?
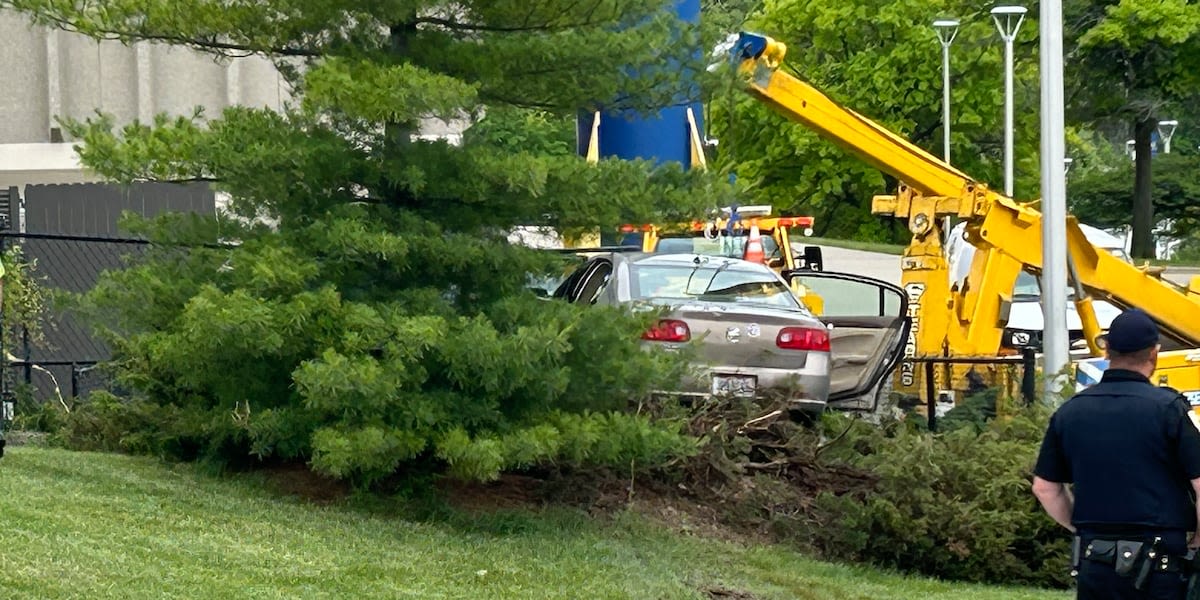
column 868, row 330
column 852, row 297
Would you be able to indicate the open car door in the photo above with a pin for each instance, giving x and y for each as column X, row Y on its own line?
column 869, row 327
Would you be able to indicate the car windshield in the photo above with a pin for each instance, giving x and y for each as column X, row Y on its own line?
column 1027, row 287
column 712, row 284
column 724, row 245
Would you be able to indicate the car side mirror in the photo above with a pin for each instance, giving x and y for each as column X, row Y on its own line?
column 813, row 259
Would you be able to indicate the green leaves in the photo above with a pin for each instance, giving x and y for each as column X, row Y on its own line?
column 888, row 68
column 362, row 89
column 364, row 454
column 954, row 505
column 1134, row 56
column 360, row 305
column 612, row 440
column 1135, row 24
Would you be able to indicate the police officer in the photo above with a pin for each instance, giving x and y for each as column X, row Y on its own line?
column 1132, row 454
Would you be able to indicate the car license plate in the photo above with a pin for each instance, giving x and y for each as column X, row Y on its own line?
column 735, row 385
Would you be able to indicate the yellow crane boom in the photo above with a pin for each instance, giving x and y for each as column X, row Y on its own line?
column 1007, row 234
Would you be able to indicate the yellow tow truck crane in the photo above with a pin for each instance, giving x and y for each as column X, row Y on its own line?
column 728, row 234
column 968, row 322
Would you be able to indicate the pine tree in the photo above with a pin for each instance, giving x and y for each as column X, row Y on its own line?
column 370, row 315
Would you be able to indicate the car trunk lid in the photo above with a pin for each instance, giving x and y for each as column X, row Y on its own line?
column 742, row 335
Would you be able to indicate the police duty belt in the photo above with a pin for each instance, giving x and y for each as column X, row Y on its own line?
column 1130, row 556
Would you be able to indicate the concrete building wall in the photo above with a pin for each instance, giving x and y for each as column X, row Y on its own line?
column 23, row 103
column 51, row 73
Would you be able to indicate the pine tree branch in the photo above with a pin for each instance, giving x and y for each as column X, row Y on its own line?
column 523, row 28
column 210, row 44
column 589, row 19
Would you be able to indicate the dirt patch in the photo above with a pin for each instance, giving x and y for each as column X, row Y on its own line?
column 602, row 496
column 297, row 479
column 723, row 593
column 508, row 492
column 691, row 516
column 25, row 438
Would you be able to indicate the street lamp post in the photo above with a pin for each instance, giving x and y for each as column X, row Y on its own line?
column 947, row 30
column 1008, row 21
column 1056, row 355
column 1166, row 129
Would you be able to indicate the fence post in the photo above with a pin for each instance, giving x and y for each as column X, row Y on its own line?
column 3, row 325
column 28, row 355
column 930, row 393
column 1028, row 385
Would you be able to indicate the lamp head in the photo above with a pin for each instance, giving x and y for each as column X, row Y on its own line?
column 1009, row 10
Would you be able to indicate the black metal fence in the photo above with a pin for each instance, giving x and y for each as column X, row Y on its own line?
column 62, row 363
column 1027, row 361
column 70, row 234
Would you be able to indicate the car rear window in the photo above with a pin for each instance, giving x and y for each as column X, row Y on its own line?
column 724, row 245
column 711, row 284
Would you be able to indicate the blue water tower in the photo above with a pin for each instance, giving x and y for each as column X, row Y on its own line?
column 672, row 133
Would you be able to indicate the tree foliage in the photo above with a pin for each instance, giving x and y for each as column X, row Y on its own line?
column 953, row 505
column 26, row 301
column 1134, row 57
column 1103, row 198
column 887, row 67
column 360, row 307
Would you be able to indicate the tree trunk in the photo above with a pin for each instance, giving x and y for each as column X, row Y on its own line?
column 398, row 134
column 1142, row 245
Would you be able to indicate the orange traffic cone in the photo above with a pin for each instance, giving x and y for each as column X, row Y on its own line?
column 754, row 247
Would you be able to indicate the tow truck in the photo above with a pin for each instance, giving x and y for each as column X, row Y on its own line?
column 729, row 233
column 967, row 321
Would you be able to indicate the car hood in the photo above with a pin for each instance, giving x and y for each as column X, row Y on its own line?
column 1027, row 315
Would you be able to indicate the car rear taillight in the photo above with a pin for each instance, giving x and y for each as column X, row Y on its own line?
column 668, row 330
column 803, row 338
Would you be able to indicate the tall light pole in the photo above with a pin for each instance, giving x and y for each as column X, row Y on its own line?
column 1066, row 175
column 1166, row 129
column 1055, row 348
column 947, row 30
column 1008, row 21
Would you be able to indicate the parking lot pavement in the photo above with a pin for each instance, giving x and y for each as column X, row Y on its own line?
column 1181, row 275
column 884, row 267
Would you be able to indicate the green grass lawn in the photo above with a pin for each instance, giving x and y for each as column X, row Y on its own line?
column 82, row 525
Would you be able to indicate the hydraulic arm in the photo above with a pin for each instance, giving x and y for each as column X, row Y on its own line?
column 1007, row 234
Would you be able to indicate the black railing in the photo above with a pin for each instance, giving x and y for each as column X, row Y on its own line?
column 1027, row 360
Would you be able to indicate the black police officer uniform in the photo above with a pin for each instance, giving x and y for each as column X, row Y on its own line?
column 1130, row 450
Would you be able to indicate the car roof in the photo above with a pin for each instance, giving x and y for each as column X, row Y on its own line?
column 691, row 260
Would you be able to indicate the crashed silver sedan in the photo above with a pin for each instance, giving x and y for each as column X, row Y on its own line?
column 751, row 334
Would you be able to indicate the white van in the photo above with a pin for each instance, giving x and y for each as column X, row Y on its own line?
column 1025, row 320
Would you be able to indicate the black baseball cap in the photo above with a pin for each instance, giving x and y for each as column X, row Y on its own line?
column 1131, row 331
